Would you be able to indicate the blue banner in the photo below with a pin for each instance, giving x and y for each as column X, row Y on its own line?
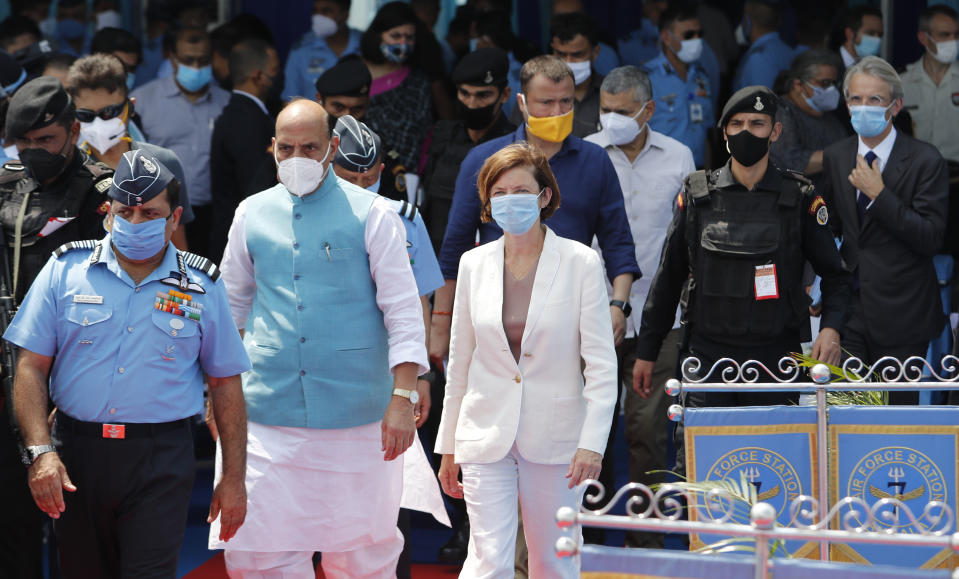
column 772, row 447
column 904, row 453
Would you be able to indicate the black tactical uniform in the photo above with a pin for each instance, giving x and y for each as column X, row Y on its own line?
column 717, row 257
column 451, row 142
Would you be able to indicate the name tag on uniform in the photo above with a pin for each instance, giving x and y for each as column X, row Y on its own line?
column 81, row 299
column 696, row 112
column 767, row 287
column 114, row 431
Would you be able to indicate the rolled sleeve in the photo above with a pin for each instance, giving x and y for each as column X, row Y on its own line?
column 396, row 293
column 34, row 327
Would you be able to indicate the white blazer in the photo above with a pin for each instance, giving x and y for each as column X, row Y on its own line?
column 541, row 403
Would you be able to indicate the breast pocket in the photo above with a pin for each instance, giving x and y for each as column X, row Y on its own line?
column 178, row 337
column 89, row 323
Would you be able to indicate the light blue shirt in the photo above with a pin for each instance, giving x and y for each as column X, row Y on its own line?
column 684, row 109
column 426, row 269
column 640, row 45
column 152, row 59
column 607, row 60
column 170, row 120
column 309, row 60
column 116, row 357
column 764, row 60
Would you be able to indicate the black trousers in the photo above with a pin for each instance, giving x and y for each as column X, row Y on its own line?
column 859, row 343
column 128, row 515
column 21, row 521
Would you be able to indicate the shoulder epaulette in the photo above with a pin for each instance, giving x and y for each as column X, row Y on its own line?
column 201, row 263
column 12, row 171
column 805, row 183
column 697, row 186
column 407, row 210
column 90, row 244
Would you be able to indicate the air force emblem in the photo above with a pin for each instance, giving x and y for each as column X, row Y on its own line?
column 182, row 282
column 759, row 104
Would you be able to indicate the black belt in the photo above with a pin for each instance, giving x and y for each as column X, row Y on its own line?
column 117, row 429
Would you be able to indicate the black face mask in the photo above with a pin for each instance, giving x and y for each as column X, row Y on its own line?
column 476, row 119
column 42, row 164
column 746, row 147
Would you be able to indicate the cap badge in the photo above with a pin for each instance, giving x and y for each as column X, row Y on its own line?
column 759, row 104
column 48, row 117
column 148, row 165
column 364, row 89
column 489, row 77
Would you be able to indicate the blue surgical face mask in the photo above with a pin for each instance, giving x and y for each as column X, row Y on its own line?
column 823, row 99
column 869, row 121
column 138, row 241
column 71, row 29
column 397, row 53
column 473, row 43
column 515, row 213
column 131, row 79
column 193, row 79
column 868, row 46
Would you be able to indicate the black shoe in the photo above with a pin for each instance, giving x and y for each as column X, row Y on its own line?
column 454, row 551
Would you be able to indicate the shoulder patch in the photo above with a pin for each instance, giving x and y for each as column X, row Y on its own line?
column 407, row 210
column 102, row 185
column 88, row 244
column 201, row 263
column 681, row 201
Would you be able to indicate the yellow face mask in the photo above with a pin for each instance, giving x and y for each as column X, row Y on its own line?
column 552, row 129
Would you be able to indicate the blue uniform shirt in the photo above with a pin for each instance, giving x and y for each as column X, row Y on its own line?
column 764, row 60
column 607, row 60
column 512, row 80
column 591, row 205
column 309, row 60
column 684, row 109
column 640, row 45
column 426, row 270
column 117, row 358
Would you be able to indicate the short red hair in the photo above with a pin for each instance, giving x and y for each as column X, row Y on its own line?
column 519, row 154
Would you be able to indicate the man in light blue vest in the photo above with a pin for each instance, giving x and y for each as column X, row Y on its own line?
column 320, row 282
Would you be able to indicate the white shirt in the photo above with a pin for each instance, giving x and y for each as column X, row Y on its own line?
column 882, row 151
column 934, row 109
column 650, row 185
column 847, row 58
column 255, row 99
column 396, row 293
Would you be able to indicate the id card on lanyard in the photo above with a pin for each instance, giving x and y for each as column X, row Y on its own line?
column 767, row 287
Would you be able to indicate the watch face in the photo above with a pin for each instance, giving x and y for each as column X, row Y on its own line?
column 414, row 396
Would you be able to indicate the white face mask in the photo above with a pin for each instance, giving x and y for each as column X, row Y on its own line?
column 581, row 71
column 947, row 51
column 691, row 50
column 323, row 26
column 621, row 129
column 103, row 135
column 302, row 175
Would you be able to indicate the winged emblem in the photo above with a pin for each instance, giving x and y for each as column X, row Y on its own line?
column 182, row 282
column 913, row 494
column 771, row 493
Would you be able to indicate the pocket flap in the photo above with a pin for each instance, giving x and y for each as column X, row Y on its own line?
column 88, row 314
column 748, row 239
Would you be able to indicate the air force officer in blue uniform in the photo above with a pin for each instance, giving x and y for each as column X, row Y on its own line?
column 124, row 329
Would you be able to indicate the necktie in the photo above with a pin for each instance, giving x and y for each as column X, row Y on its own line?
column 862, row 201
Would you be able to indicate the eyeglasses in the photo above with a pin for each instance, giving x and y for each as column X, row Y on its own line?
column 106, row 113
column 690, row 34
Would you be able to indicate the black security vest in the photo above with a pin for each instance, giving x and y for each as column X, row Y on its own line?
column 730, row 233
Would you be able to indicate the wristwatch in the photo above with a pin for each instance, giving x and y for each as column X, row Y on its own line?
column 413, row 395
column 33, row 453
column 627, row 309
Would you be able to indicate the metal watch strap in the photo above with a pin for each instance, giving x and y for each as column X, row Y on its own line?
column 34, row 452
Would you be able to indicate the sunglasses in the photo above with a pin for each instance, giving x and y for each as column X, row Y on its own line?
column 106, row 113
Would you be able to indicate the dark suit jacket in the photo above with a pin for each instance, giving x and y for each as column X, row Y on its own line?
column 241, row 138
column 892, row 249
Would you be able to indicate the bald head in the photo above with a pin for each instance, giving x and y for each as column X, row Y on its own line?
column 303, row 130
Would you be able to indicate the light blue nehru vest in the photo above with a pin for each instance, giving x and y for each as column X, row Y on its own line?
column 315, row 335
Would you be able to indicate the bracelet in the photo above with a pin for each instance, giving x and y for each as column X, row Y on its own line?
column 439, row 313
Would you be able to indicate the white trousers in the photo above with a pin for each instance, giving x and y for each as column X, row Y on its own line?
column 376, row 561
column 491, row 491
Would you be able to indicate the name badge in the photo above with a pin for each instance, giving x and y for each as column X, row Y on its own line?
column 696, row 112
column 81, row 299
column 114, row 431
column 767, row 287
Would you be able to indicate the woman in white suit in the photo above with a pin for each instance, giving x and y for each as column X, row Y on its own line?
column 531, row 383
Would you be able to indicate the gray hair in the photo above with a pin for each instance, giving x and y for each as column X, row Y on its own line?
column 879, row 68
column 626, row 78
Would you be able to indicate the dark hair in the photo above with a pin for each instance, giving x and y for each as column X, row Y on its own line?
column 567, row 26
column 109, row 40
column 15, row 26
column 765, row 15
column 496, row 24
column 925, row 17
column 188, row 35
column 344, row 4
column 247, row 57
column 389, row 16
column 99, row 71
column 853, row 18
column 243, row 26
column 60, row 60
column 677, row 12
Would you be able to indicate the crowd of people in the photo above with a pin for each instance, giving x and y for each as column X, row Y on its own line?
column 468, row 243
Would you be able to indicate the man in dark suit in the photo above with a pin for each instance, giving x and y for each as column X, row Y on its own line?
column 242, row 133
column 889, row 193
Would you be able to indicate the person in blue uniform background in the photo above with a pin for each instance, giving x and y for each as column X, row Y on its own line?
column 767, row 55
column 328, row 39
